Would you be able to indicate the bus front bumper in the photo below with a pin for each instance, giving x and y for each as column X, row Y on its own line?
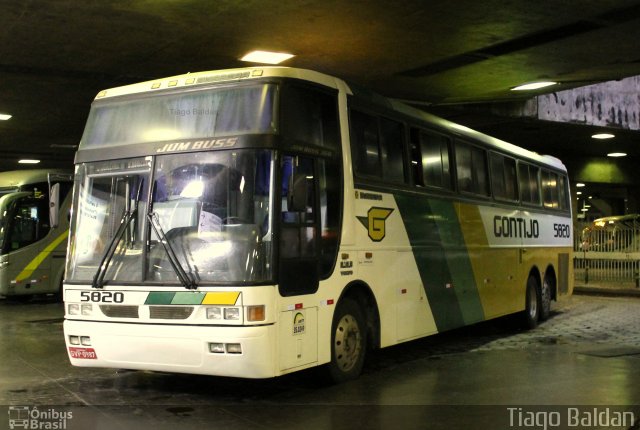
column 246, row 352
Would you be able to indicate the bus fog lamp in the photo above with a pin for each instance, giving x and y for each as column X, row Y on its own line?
column 255, row 313
column 216, row 348
column 234, row 348
column 231, row 313
column 74, row 309
column 85, row 340
column 74, row 340
column 214, row 313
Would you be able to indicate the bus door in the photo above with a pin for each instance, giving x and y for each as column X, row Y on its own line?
column 299, row 260
column 27, row 224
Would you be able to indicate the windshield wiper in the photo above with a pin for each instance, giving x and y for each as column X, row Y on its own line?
column 98, row 278
column 187, row 281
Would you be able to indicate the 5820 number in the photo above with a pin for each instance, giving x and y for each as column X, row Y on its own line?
column 102, row 296
column 561, row 230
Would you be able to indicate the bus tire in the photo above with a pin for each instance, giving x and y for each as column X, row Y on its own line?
column 532, row 304
column 348, row 342
column 545, row 300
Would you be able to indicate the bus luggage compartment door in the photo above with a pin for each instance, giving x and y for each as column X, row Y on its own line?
column 298, row 337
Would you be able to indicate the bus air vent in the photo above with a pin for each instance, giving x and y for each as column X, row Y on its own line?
column 119, row 311
column 170, row 312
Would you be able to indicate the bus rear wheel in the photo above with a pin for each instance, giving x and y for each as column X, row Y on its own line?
column 348, row 342
column 532, row 306
column 545, row 300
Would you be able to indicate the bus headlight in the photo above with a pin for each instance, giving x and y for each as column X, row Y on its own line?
column 231, row 313
column 74, row 309
column 86, row 309
column 214, row 313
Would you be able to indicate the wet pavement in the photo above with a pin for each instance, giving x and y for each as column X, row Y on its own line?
column 492, row 375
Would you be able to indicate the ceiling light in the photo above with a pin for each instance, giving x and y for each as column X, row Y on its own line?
column 579, row 185
column 28, row 161
column 266, row 57
column 4, row 116
column 617, row 154
column 603, row 136
column 533, row 86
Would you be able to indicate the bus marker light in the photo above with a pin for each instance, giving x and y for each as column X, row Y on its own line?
column 74, row 309
column 216, row 348
column 86, row 309
column 85, row 340
column 255, row 313
column 74, row 340
column 234, row 348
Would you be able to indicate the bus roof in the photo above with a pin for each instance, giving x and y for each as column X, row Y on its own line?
column 244, row 74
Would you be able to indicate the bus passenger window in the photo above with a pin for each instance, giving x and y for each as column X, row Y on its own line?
column 550, row 189
column 392, row 150
column 472, row 169
column 563, row 193
column 434, row 151
column 503, row 177
column 528, row 183
column 364, row 135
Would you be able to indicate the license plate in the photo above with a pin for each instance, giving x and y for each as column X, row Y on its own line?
column 86, row 353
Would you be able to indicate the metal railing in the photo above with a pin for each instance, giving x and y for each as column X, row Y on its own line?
column 607, row 256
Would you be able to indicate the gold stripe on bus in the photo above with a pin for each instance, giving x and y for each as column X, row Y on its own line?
column 221, row 298
column 35, row 263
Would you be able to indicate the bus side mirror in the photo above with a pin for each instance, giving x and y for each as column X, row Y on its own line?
column 54, row 205
column 297, row 196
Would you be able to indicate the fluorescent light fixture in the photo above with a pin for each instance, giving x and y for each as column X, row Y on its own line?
column 580, row 185
column 28, row 161
column 533, row 86
column 266, row 57
column 617, row 154
column 4, row 116
column 603, row 136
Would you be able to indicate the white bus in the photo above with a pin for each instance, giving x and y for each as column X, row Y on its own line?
column 33, row 243
column 255, row 222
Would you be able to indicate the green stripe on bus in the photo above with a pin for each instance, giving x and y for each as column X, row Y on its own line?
column 188, row 298
column 159, row 298
column 459, row 262
column 442, row 260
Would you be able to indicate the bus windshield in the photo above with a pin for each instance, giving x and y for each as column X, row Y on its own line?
column 222, row 111
column 211, row 216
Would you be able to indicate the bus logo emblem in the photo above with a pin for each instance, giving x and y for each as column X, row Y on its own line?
column 375, row 223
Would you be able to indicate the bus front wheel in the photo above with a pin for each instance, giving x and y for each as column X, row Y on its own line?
column 532, row 307
column 348, row 341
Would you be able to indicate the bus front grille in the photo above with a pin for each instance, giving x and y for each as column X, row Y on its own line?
column 120, row 311
column 170, row 312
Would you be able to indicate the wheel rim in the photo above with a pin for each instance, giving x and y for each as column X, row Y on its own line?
column 533, row 303
column 348, row 343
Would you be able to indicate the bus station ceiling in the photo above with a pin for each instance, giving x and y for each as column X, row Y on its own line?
column 455, row 58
